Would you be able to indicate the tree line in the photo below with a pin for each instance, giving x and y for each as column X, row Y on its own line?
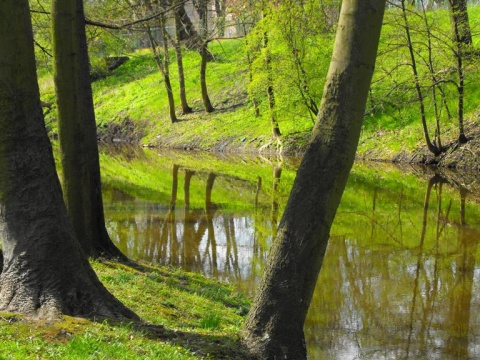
column 48, row 235
column 423, row 60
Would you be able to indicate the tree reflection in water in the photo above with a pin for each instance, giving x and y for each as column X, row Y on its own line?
column 399, row 275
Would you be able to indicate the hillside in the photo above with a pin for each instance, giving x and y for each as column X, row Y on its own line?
column 131, row 106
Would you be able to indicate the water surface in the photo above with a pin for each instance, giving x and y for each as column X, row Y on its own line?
column 400, row 275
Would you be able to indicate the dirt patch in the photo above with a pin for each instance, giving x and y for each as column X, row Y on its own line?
column 126, row 131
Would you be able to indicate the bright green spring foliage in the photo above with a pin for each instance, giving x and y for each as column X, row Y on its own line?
column 300, row 39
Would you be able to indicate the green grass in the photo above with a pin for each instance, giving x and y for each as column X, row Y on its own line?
column 135, row 93
column 185, row 317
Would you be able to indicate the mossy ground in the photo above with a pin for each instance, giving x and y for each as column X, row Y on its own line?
column 185, row 316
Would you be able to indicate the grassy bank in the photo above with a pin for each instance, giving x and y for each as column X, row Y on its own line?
column 185, row 317
column 131, row 103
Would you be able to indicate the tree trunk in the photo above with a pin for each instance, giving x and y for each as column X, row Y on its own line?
column 203, row 80
column 431, row 147
column 220, row 15
column 276, row 134
column 460, row 24
column 201, row 7
column 77, row 130
column 178, row 53
column 274, row 326
column 45, row 272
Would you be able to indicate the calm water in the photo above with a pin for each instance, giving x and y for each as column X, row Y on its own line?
column 400, row 278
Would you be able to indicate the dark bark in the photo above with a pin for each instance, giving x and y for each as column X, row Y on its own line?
column 431, row 147
column 461, row 25
column 77, row 130
column 220, row 13
column 274, row 326
column 201, row 8
column 45, row 272
column 189, row 36
column 207, row 104
column 276, row 134
column 186, row 109
column 163, row 62
column 462, row 37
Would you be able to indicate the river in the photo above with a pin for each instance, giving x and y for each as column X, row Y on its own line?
column 400, row 277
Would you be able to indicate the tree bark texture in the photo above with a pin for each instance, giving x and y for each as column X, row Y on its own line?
column 77, row 130
column 186, row 109
column 45, row 272
column 460, row 24
column 274, row 326
column 207, row 104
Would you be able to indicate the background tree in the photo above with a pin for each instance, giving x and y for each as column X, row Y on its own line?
column 177, row 44
column 44, row 273
column 201, row 6
column 77, row 130
column 274, row 326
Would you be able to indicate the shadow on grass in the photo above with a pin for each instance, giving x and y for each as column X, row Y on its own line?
column 215, row 347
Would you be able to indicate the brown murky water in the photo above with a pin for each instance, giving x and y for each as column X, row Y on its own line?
column 400, row 278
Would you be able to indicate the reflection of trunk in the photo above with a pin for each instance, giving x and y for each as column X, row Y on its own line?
column 168, row 249
column 171, row 221
column 257, row 246
column 209, row 214
column 431, row 182
column 461, row 293
column 257, row 192
column 231, row 257
column 191, row 254
column 277, row 173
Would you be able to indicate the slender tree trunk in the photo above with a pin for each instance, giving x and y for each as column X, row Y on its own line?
column 45, row 272
column 166, row 69
column 276, row 134
column 203, row 80
column 162, row 65
column 274, row 326
column 462, row 37
column 201, row 8
column 178, row 53
column 220, row 14
column 77, row 130
column 431, row 147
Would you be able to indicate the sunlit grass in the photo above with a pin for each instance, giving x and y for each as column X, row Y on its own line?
column 186, row 317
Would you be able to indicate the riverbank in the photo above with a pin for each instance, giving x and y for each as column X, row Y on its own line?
column 131, row 107
column 186, row 316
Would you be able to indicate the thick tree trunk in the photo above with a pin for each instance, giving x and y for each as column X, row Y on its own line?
column 77, row 130
column 460, row 24
column 274, row 326
column 45, row 273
